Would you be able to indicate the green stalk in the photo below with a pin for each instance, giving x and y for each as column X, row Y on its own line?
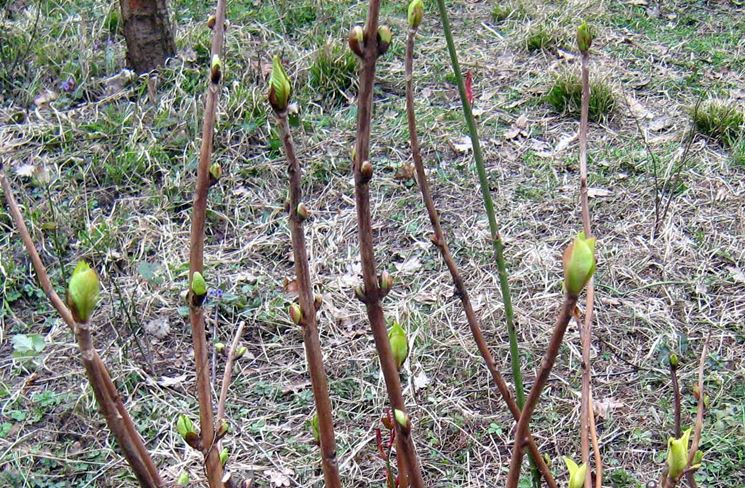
column 489, row 206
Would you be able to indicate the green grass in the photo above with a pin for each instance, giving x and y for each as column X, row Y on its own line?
column 333, row 73
column 541, row 37
column 720, row 120
column 512, row 11
column 565, row 96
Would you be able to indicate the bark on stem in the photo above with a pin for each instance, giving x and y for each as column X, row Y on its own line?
column 213, row 466
column 586, row 418
column 562, row 321
column 438, row 239
column 109, row 401
column 309, row 321
column 228, row 374
column 409, row 468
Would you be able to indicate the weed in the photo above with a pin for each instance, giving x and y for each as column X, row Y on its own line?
column 565, row 96
column 333, row 72
column 540, row 37
column 514, row 11
column 720, row 120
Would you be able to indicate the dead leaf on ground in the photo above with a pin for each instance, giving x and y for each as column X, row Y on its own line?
column 409, row 266
column 605, row 406
column 598, row 192
column 168, row 381
column 405, row 172
column 461, row 144
column 421, row 380
column 279, row 477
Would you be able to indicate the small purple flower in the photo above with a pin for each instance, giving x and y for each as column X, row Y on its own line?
column 68, row 86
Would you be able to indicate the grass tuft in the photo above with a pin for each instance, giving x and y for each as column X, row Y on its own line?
column 720, row 120
column 514, row 11
column 565, row 96
column 333, row 73
column 540, row 37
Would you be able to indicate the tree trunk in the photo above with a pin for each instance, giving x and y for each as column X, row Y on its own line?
column 147, row 31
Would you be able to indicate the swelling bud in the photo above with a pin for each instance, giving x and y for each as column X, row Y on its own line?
column 296, row 314
column 577, row 474
column 198, row 289
column 677, row 455
column 215, row 173
column 579, row 264
column 315, row 430
column 385, row 37
column 280, row 88
column 82, row 292
column 215, row 69
column 416, row 13
column 584, row 37
column 357, row 40
column 399, row 344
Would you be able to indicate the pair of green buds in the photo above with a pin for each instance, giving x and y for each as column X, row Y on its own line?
column 239, row 351
column 577, row 474
column 678, row 454
column 357, row 40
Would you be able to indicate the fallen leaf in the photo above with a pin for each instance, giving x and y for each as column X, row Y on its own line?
column 168, row 381
column 409, row 266
column 27, row 170
column 462, row 144
column 605, row 406
column 279, row 478
column 159, row 327
column 564, row 143
column 598, row 192
column 521, row 122
column 45, row 97
column 421, row 381
column 513, row 133
column 405, row 172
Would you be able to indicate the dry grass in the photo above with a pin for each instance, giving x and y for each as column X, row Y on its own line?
column 132, row 223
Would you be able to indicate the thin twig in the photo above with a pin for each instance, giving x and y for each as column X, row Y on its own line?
column 409, row 468
column 699, row 425
column 228, row 373
column 108, row 398
column 309, row 319
column 676, row 400
column 214, row 468
column 562, row 321
column 438, row 239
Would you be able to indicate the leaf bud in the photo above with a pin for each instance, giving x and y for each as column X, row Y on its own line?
column 416, row 13
column 315, row 430
column 215, row 173
column 387, row 420
column 401, row 418
column 673, row 360
column 579, row 264
column 677, row 455
column 359, row 292
column 215, row 69
column 198, row 289
column 399, row 344
column 82, row 292
column 577, row 474
column 240, row 352
column 317, row 301
column 183, row 479
column 302, row 212
column 220, row 347
column 357, row 40
column 366, row 172
column 296, row 313
column 584, row 37
column 385, row 37
column 224, row 455
column 211, row 22
column 222, row 429
column 280, row 88
column 385, row 282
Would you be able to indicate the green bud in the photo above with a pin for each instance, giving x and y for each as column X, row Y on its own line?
column 82, row 292
column 215, row 173
column 224, row 455
column 240, row 352
column 677, row 455
column 366, row 171
column 183, row 479
column 315, row 429
column 584, row 37
column 401, row 418
column 416, row 13
column 357, row 40
column 198, row 289
column 577, row 474
column 296, row 313
column 697, row 458
column 399, row 344
column 219, row 347
column 215, row 69
column 579, row 264
column 317, row 301
column 673, row 360
column 359, row 292
column 280, row 88
column 211, row 22
column 184, row 426
column 385, row 282
column 222, row 429
column 385, row 37
column 302, row 211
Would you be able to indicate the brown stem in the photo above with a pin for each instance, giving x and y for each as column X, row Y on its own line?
column 228, row 374
column 213, row 466
column 109, row 401
column 699, row 425
column 409, row 468
column 676, row 400
column 562, row 321
column 309, row 321
column 586, row 417
column 441, row 243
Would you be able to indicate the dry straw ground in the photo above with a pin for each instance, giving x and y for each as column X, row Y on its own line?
column 120, row 154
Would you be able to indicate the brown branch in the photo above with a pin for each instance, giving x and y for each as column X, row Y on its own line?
column 699, row 425
column 309, row 320
column 562, row 321
column 196, row 264
column 440, row 242
column 109, row 401
column 409, row 468
column 676, row 400
column 586, row 417
column 228, row 374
